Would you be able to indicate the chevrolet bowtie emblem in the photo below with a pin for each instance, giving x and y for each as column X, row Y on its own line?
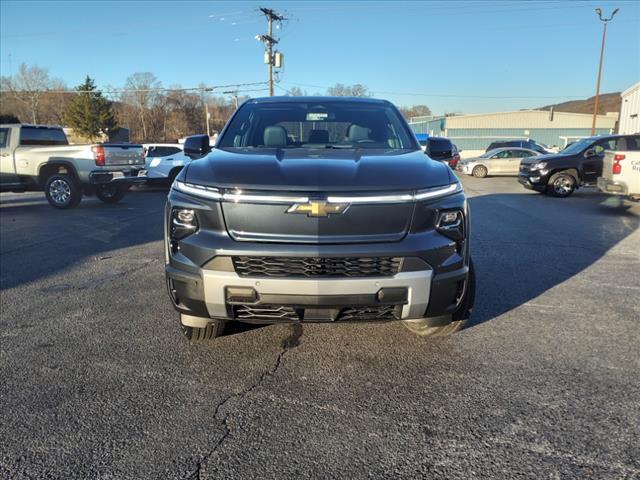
column 318, row 208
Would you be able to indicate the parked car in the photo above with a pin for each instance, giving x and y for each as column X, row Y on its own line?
column 329, row 228
column 501, row 161
column 576, row 166
column 621, row 169
column 163, row 161
column 528, row 144
column 441, row 149
column 38, row 157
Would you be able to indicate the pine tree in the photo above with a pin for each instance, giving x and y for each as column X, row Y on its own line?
column 88, row 112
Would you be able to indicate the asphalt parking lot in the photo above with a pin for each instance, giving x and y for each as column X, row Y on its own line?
column 98, row 382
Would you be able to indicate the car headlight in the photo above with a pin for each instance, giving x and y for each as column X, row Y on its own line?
column 539, row 166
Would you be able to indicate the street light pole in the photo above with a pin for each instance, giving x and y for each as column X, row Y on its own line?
column 604, row 37
column 206, row 108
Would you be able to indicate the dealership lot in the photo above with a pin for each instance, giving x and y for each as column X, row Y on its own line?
column 98, row 382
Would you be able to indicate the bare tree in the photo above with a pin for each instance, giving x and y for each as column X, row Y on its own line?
column 28, row 86
column 142, row 93
column 296, row 92
column 415, row 111
column 340, row 90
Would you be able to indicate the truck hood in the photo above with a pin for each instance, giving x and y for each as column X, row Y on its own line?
column 549, row 157
column 318, row 170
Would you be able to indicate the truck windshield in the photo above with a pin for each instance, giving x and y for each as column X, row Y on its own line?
column 578, row 147
column 42, row 136
column 318, row 124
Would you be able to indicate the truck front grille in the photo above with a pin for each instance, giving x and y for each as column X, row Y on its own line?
column 265, row 312
column 317, row 266
column 276, row 313
column 387, row 312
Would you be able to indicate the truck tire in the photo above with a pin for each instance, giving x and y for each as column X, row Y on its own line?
column 111, row 193
column 561, row 185
column 198, row 335
column 480, row 171
column 422, row 326
column 62, row 191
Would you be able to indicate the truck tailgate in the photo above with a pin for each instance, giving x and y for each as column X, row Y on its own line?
column 607, row 164
column 123, row 154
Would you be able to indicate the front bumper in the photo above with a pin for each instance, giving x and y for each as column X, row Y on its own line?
column 609, row 186
column 533, row 181
column 413, row 294
column 133, row 176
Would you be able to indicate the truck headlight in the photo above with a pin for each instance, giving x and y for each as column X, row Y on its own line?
column 539, row 166
column 183, row 223
column 450, row 223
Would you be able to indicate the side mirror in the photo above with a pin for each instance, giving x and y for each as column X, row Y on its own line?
column 591, row 152
column 196, row 146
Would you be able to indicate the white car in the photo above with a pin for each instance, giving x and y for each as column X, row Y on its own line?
column 499, row 161
column 163, row 161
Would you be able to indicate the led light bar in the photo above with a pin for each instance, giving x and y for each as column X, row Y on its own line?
column 239, row 197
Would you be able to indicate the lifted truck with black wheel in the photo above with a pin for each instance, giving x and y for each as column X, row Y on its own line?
column 578, row 165
column 39, row 158
column 317, row 209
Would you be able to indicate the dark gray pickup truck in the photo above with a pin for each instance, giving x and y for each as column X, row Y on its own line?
column 317, row 209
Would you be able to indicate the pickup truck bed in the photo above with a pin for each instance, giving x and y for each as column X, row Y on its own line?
column 31, row 156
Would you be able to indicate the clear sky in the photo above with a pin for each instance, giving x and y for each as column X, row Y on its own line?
column 461, row 56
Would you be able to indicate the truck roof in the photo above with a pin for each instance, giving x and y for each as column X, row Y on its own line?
column 281, row 99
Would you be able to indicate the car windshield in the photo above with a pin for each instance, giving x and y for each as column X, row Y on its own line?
column 318, row 124
column 578, row 146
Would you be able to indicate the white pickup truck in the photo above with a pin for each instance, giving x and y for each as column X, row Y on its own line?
column 621, row 169
column 37, row 157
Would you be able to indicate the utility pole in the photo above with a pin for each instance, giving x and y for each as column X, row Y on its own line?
column 269, row 41
column 604, row 37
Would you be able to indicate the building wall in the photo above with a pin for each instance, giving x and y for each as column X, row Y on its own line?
column 480, row 138
column 630, row 111
column 528, row 119
column 473, row 133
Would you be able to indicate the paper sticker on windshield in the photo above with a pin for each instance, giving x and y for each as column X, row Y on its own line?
column 317, row 116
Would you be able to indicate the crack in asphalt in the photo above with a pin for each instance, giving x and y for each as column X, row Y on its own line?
column 292, row 341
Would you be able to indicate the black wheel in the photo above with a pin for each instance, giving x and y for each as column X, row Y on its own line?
column 422, row 326
column 561, row 185
column 111, row 193
column 213, row 330
column 480, row 171
column 62, row 191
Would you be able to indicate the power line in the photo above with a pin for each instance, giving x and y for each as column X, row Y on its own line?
column 422, row 94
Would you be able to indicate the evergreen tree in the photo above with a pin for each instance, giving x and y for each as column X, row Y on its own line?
column 88, row 112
